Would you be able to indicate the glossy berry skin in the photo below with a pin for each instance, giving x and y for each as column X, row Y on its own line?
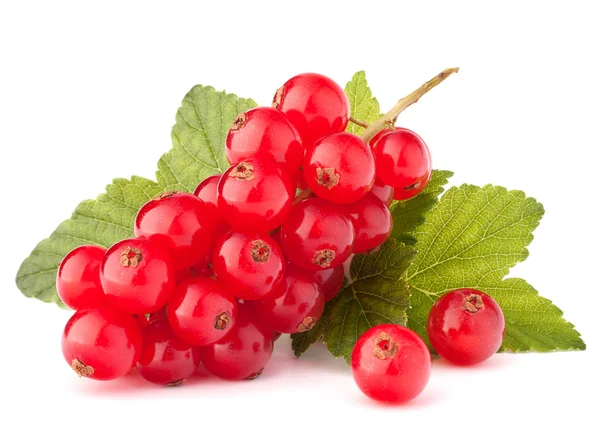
column 201, row 311
column 165, row 359
column 403, row 162
column 331, row 281
column 181, row 223
column 340, row 168
column 295, row 305
column 391, row 363
column 137, row 276
column 383, row 192
column 255, row 195
column 317, row 235
column 78, row 278
column 249, row 264
column 372, row 223
column 207, row 191
column 244, row 352
column 102, row 344
column 315, row 104
column 265, row 131
column 466, row 326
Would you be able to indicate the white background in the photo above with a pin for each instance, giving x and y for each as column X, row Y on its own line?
column 89, row 93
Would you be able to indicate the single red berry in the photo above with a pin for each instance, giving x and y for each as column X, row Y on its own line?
column 102, row 343
column 255, row 195
column 244, row 352
column 296, row 303
column 372, row 223
column 315, row 105
column 166, row 359
column 385, row 193
column 391, row 363
column 249, row 264
column 78, row 278
column 201, row 311
column 137, row 276
column 403, row 162
column 317, row 235
column 340, row 168
column 181, row 223
column 331, row 281
column 265, row 131
column 466, row 326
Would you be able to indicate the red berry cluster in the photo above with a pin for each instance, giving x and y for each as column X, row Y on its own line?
column 215, row 276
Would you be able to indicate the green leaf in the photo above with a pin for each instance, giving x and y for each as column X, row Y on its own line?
column 198, row 151
column 472, row 238
column 378, row 294
column 409, row 214
column 363, row 106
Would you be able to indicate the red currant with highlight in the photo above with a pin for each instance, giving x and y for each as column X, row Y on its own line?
column 331, row 281
column 102, row 344
column 315, row 104
column 383, row 192
column 137, row 276
column 78, row 278
column 372, row 223
column 391, row 363
column 466, row 326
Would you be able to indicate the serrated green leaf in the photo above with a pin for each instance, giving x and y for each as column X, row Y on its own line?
column 363, row 106
column 472, row 238
column 378, row 295
column 409, row 214
column 198, row 151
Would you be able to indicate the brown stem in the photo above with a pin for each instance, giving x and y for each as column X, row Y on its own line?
column 305, row 194
column 390, row 117
column 357, row 122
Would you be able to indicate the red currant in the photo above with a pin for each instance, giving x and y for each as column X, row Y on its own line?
column 385, row 193
column 372, row 223
column 340, row 168
column 249, row 264
column 296, row 303
column 180, row 222
column 466, row 326
column 137, row 276
column 331, row 281
column 391, row 363
column 255, row 195
column 207, row 191
column 317, row 235
column 78, row 279
column 166, row 359
column 403, row 161
column 102, row 343
column 265, row 131
column 201, row 311
column 244, row 352
column 315, row 105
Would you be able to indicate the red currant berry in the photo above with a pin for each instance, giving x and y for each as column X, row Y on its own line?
column 244, row 352
column 255, row 195
column 296, row 303
column 207, row 192
column 331, row 281
column 340, row 168
column 466, row 326
column 265, row 131
column 315, row 105
column 181, row 223
column 201, row 311
column 403, row 161
column 385, row 193
column 102, row 343
column 166, row 359
column 372, row 223
column 317, row 235
column 391, row 363
column 78, row 279
column 249, row 264
column 137, row 276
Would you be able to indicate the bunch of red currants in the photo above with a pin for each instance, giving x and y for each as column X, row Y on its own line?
column 216, row 276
